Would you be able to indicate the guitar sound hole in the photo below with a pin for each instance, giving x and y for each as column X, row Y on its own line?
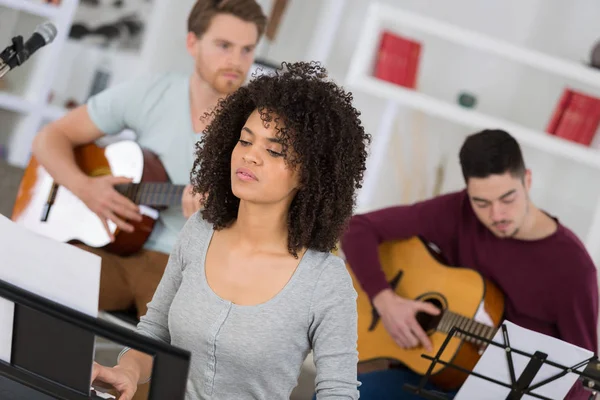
column 430, row 322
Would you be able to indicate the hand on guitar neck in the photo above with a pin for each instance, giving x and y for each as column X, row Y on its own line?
column 399, row 318
column 101, row 197
column 122, row 183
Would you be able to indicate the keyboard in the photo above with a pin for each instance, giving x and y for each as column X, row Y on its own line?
column 13, row 390
column 97, row 394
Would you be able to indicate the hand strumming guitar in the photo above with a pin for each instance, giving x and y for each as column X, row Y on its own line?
column 398, row 317
column 190, row 203
column 100, row 196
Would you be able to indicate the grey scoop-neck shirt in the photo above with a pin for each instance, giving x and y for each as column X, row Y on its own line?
column 256, row 352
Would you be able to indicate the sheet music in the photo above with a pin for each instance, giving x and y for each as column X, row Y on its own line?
column 54, row 270
column 493, row 363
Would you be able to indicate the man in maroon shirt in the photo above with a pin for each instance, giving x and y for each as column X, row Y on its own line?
column 492, row 226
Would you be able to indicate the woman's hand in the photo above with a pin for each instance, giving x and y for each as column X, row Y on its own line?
column 124, row 380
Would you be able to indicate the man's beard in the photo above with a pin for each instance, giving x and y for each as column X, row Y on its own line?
column 518, row 228
column 219, row 83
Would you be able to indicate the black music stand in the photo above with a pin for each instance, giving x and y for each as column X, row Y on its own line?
column 518, row 387
column 62, row 369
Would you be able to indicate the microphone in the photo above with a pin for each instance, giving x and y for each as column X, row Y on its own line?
column 19, row 52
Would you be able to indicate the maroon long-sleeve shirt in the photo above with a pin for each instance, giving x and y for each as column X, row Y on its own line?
column 550, row 285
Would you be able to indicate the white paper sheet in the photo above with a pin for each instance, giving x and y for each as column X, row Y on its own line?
column 493, row 363
column 48, row 268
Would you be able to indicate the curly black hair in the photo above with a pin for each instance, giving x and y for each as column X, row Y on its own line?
column 329, row 147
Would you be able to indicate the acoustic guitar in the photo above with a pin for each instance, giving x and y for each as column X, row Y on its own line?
column 466, row 300
column 53, row 211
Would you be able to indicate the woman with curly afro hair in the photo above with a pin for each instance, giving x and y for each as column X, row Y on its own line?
column 316, row 138
column 252, row 285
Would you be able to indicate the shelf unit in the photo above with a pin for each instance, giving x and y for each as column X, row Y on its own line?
column 360, row 79
column 11, row 102
column 29, row 85
column 455, row 113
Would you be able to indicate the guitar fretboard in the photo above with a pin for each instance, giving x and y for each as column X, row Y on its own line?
column 450, row 320
column 153, row 194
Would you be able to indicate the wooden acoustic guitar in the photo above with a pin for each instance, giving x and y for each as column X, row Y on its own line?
column 53, row 211
column 465, row 298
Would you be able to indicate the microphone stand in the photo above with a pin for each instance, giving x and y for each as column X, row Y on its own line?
column 17, row 51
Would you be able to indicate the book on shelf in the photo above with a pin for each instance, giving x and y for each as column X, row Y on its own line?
column 397, row 59
column 576, row 117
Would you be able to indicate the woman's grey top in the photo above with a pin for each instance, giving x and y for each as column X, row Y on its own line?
column 256, row 352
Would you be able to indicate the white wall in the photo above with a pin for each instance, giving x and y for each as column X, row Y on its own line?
column 164, row 48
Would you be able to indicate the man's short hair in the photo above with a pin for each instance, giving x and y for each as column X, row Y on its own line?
column 491, row 152
column 204, row 10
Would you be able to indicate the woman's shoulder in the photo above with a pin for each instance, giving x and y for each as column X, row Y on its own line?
column 197, row 223
column 329, row 269
column 195, row 227
column 323, row 259
column 331, row 283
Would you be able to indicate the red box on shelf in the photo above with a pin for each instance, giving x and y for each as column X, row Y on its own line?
column 576, row 117
column 398, row 59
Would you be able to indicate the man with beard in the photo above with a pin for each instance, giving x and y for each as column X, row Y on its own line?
column 547, row 277
column 165, row 111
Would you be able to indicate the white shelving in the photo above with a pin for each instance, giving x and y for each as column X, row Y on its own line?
column 15, row 103
column 360, row 79
column 455, row 113
column 29, row 85
column 382, row 15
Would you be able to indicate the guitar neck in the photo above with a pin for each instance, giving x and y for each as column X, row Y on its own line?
column 450, row 320
column 153, row 194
